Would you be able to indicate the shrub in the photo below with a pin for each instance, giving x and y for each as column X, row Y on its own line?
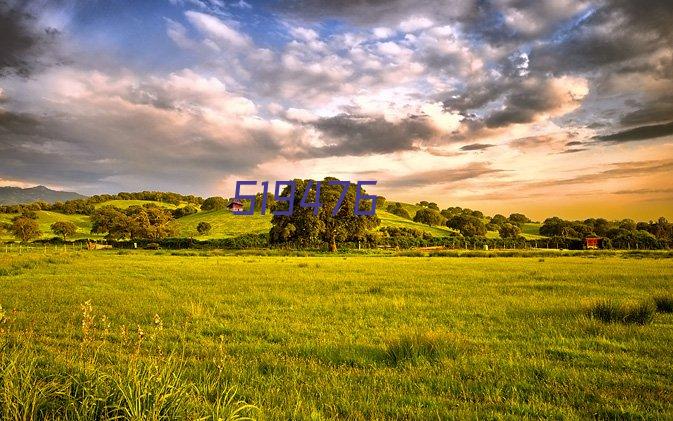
column 664, row 303
column 611, row 312
column 203, row 228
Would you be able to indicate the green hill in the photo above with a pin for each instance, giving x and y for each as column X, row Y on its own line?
column 46, row 218
column 226, row 224
column 17, row 195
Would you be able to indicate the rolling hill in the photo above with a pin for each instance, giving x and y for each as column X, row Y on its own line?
column 226, row 224
column 18, row 195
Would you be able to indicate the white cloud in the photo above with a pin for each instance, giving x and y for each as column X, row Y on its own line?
column 218, row 30
column 301, row 115
column 382, row 32
column 415, row 23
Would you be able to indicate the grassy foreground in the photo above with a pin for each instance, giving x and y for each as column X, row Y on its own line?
column 364, row 337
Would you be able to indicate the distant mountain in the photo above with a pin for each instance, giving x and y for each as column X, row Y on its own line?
column 17, row 195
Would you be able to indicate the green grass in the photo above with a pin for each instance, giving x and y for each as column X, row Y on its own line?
column 531, row 231
column 343, row 336
column 390, row 220
column 225, row 224
column 46, row 218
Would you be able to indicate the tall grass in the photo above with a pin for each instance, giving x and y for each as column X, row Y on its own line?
column 664, row 303
column 612, row 312
column 32, row 388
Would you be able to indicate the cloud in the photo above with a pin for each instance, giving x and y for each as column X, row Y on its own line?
column 536, row 98
column 217, row 30
column 443, row 176
column 182, row 131
column 615, row 171
column 638, row 133
column 415, row 23
column 22, row 43
column 360, row 135
column 476, row 147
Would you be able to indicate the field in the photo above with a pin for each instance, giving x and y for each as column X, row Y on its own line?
column 322, row 337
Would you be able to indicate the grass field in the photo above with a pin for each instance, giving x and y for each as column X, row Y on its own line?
column 344, row 336
column 46, row 218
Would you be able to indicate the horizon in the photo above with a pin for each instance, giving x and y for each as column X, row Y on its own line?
column 546, row 108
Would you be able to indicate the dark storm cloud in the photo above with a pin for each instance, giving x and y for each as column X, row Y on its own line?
column 21, row 43
column 523, row 104
column 574, row 143
column 444, row 176
column 476, row 147
column 639, row 133
column 362, row 135
column 657, row 110
column 122, row 151
column 635, row 30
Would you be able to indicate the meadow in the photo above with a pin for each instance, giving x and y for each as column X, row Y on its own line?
column 152, row 335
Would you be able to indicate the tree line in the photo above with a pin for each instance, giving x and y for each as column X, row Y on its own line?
column 88, row 206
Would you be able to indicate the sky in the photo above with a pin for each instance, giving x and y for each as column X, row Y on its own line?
column 547, row 107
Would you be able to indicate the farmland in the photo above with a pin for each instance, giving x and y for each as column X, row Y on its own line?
column 352, row 336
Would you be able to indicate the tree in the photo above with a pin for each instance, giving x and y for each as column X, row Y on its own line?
column 380, row 203
column 184, row 211
column 468, row 225
column 508, row 230
column 519, row 219
column 433, row 205
column 204, row 228
column 25, row 229
column 429, row 217
column 63, row 229
column 397, row 209
column 147, row 222
column 304, row 227
column 214, row 203
column 498, row 219
column 270, row 201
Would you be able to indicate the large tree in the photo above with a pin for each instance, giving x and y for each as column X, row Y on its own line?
column 429, row 216
column 136, row 222
column 214, row 203
column 63, row 229
column 308, row 225
column 468, row 225
column 25, row 229
column 508, row 230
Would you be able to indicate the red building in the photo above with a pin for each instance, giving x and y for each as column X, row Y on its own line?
column 592, row 243
column 235, row 206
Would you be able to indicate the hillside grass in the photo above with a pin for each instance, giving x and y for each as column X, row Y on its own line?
column 336, row 336
column 224, row 224
column 46, row 218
